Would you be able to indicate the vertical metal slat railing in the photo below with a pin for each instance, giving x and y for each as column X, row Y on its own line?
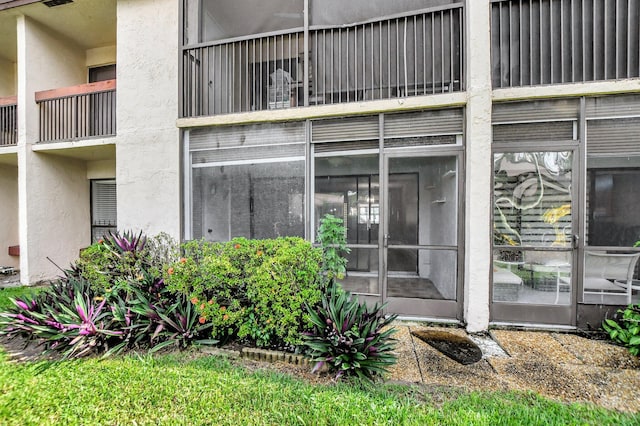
column 416, row 54
column 8, row 125
column 79, row 116
column 564, row 41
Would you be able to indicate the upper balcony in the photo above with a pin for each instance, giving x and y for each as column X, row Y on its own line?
column 341, row 52
column 78, row 112
column 557, row 42
column 8, row 121
column 62, row 46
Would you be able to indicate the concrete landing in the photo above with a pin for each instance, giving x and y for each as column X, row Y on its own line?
column 555, row 365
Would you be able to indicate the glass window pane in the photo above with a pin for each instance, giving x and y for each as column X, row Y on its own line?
column 533, row 277
column 223, row 19
column 362, row 271
column 422, row 274
column 348, row 187
column 610, row 278
column 252, row 201
column 423, row 201
column 104, row 216
column 613, row 201
column 532, row 199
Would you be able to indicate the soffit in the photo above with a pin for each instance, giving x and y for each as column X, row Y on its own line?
column 88, row 23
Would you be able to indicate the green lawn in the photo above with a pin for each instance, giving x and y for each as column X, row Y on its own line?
column 15, row 292
column 209, row 390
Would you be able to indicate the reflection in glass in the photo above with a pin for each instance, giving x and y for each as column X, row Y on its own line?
column 613, row 201
column 532, row 199
column 252, row 201
column 348, row 187
column 533, row 277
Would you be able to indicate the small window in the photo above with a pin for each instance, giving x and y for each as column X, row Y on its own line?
column 613, row 203
column 105, row 72
column 103, row 208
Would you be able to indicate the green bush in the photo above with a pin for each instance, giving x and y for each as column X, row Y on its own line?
column 124, row 257
column 332, row 236
column 252, row 290
column 627, row 329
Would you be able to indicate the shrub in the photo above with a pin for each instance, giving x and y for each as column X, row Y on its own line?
column 252, row 290
column 333, row 240
column 350, row 338
column 113, row 299
column 627, row 329
column 124, row 257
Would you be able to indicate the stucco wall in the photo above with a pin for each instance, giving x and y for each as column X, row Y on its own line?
column 101, row 169
column 40, row 49
column 478, row 167
column 53, row 191
column 101, row 56
column 8, row 214
column 147, row 146
column 58, row 213
column 7, row 78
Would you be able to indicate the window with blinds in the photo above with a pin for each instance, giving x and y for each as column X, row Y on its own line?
column 421, row 128
column 103, row 208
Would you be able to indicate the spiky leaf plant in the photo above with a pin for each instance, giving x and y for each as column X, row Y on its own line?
column 349, row 337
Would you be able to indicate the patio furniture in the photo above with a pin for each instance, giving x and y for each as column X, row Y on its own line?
column 610, row 274
column 559, row 268
column 505, row 282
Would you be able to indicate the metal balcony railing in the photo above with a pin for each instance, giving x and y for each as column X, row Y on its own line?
column 78, row 112
column 414, row 54
column 8, row 121
column 536, row 42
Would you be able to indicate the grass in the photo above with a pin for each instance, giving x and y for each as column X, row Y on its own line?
column 184, row 389
column 15, row 292
column 209, row 390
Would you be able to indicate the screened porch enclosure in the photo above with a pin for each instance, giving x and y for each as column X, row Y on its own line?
column 246, row 181
column 564, row 41
column 236, row 58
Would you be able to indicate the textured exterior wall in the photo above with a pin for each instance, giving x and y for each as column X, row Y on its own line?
column 478, row 167
column 7, row 78
column 53, row 191
column 101, row 169
column 58, row 214
column 101, row 56
column 147, row 147
column 9, row 216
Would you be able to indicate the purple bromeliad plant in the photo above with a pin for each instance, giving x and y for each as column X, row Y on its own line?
column 115, row 300
column 349, row 337
column 127, row 241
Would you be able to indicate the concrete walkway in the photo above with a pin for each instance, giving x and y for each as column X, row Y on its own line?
column 10, row 280
column 560, row 366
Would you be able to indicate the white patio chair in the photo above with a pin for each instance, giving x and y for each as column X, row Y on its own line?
column 610, row 274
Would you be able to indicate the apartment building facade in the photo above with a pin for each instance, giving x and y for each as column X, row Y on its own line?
column 483, row 154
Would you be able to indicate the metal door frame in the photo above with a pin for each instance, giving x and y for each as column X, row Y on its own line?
column 412, row 307
column 544, row 314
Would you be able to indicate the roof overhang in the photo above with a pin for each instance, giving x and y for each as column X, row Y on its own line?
column 8, row 4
